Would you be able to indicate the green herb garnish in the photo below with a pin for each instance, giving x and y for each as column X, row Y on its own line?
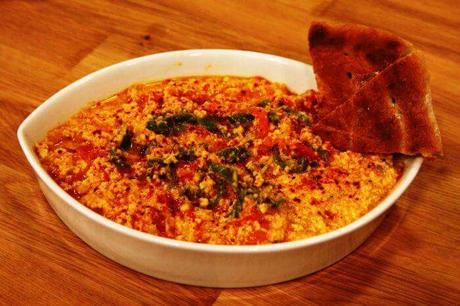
column 220, row 192
column 164, row 128
column 323, row 153
column 170, row 174
column 241, row 118
column 155, row 162
column 296, row 165
column 277, row 157
column 300, row 165
column 126, row 141
column 193, row 193
column 273, row 117
column 210, row 123
column 263, row 103
column 304, row 118
column 186, row 155
column 234, row 155
column 230, row 176
column 227, row 173
column 182, row 118
column 277, row 203
column 172, row 124
column 237, row 206
column 118, row 160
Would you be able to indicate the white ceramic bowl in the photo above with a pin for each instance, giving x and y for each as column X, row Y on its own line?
column 186, row 262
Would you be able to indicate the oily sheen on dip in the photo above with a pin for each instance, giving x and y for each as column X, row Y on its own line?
column 221, row 160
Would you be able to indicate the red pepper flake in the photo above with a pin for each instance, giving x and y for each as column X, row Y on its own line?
column 308, row 183
column 254, row 215
column 218, row 145
column 256, row 237
column 200, row 131
column 186, row 172
column 88, row 152
column 141, row 102
column 105, row 175
column 257, row 215
column 262, row 125
column 200, row 233
column 329, row 215
column 74, row 194
column 159, row 220
column 266, row 146
column 307, row 102
column 315, row 202
column 211, row 107
column 172, row 204
column 302, row 150
column 286, row 101
column 197, row 97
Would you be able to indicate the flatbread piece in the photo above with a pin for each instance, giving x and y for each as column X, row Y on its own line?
column 391, row 113
column 346, row 56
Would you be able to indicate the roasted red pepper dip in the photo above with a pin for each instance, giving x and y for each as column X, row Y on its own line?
column 221, row 160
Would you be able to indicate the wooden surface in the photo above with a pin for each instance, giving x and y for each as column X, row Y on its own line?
column 44, row 45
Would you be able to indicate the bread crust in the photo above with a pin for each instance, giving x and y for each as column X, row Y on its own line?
column 408, row 83
column 391, row 113
column 346, row 56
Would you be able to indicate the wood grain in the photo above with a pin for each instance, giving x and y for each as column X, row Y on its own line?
column 413, row 258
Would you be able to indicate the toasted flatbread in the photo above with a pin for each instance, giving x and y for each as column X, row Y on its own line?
column 390, row 113
column 346, row 56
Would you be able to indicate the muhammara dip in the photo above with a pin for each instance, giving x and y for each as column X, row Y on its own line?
column 221, row 160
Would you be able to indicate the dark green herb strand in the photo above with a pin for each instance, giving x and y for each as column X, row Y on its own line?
column 323, row 153
column 209, row 123
column 273, row 117
column 234, row 155
column 186, row 155
column 277, row 157
column 304, row 118
column 300, row 166
column 155, row 162
column 170, row 175
column 118, row 160
column 287, row 109
column 192, row 193
column 182, row 118
column 126, row 141
column 230, row 176
column 163, row 127
column 238, row 204
column 263, row 103
column 227, row 173
column 277, row 203
column 221, row 191
column 241, row 118
column 172, row 124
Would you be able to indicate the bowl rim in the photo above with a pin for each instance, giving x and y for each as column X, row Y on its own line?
column 406, row 179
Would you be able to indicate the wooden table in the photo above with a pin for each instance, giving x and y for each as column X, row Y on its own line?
column 44, row 45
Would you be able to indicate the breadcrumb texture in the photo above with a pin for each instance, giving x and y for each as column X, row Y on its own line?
column 219, row 160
